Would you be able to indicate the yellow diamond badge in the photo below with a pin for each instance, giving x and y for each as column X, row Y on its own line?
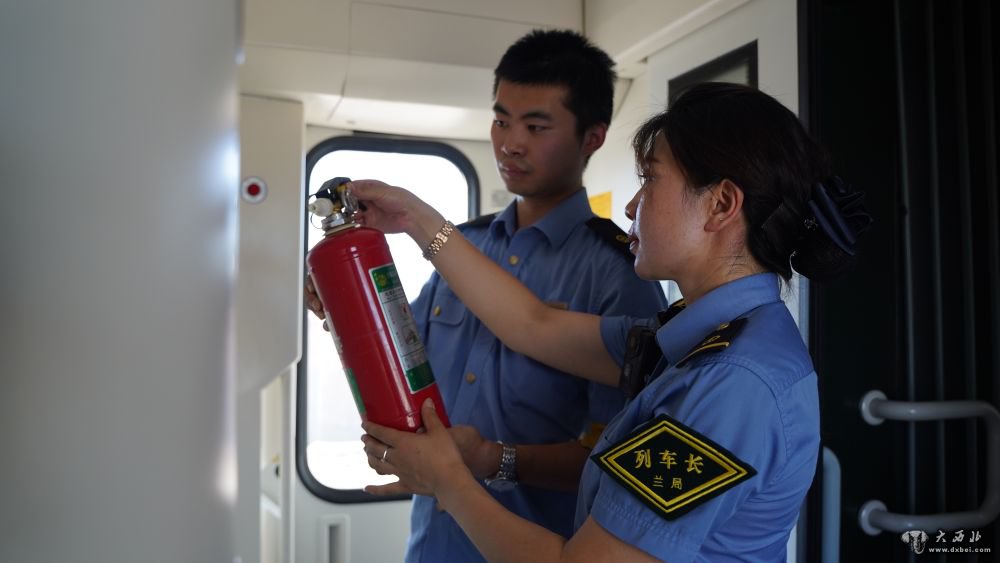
column 672, row 468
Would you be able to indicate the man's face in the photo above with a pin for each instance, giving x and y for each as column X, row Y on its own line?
column 537, row 150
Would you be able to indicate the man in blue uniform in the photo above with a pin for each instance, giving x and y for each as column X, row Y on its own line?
column 553, row 96
column 553, row 100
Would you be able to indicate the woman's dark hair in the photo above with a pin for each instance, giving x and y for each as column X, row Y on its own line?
column 719, row 131
column 563, row 58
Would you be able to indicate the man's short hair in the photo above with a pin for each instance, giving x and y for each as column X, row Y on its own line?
column 563, row 58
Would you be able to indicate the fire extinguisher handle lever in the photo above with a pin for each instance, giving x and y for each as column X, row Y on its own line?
column 339, row 197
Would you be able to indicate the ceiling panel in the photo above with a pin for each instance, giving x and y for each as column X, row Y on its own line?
column 419, row 82
column 306, row 24
column 565, row 14
column 274, row 68
column 417, row 35
column 405, row 118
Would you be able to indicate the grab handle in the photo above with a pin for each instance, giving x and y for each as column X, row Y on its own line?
column 874, row 516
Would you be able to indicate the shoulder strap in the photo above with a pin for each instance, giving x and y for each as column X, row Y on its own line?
column 718, row 340
column 664, row 316
column 612, row 234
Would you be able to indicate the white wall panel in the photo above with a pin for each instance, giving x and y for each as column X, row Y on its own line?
column 269, row 288
column 119, row 164
column 772, row 23
column 612, row 168
column 632, row 31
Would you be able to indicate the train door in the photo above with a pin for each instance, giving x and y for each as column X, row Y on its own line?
column 301, row 466
column 334, row 520
column 904, row 95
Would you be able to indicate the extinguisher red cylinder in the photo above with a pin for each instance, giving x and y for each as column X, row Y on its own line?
column 373, row 328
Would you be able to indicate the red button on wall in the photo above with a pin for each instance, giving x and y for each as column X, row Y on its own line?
column 253, row 190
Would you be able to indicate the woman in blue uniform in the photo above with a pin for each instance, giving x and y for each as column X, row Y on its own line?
column 712, row 458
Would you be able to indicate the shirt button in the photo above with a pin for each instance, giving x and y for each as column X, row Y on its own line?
column 470, row 377
column 513, row 260
column 437, row 311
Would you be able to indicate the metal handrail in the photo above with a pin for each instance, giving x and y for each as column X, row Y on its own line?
column 831, row 508
column 875, row 518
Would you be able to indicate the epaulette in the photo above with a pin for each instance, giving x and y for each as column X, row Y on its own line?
column 671, row 467
column 480, row 221
column 664, row 316
column 719, row 340
column 642, row 353
column 612, row 234
column 590, row 438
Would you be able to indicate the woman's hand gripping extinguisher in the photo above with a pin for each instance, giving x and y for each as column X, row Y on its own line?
column 370, row 318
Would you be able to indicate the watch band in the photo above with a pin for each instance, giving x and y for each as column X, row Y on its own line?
column 506, row 477
column 440, row 237
column 508, row 463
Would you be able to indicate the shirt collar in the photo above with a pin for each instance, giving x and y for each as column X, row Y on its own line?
column 723, row 304
column 556, row 225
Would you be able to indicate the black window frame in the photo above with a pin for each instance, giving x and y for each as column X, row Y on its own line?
column 744, row 55
column 368, row 144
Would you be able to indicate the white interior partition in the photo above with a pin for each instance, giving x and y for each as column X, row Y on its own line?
column 119, row 164
column 269, row 306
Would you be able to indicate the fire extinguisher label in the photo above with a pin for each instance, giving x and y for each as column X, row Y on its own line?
column 402, row 327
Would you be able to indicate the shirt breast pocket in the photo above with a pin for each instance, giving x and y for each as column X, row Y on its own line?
column 447, row 310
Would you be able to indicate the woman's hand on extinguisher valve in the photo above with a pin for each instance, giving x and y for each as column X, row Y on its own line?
column 391, row 209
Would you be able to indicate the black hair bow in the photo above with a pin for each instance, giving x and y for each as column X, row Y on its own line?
column 840, row 212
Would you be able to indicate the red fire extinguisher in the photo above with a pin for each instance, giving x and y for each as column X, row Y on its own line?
column 370, row 318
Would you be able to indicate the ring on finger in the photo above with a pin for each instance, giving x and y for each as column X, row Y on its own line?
column 385, row 455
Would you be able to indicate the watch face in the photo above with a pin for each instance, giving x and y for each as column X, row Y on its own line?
column 501, row 485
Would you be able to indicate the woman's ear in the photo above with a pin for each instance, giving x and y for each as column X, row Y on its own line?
column 725, row 205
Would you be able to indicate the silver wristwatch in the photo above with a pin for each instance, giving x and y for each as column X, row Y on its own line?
column 506, row 477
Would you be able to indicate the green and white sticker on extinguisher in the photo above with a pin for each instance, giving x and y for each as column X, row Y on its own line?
column 355, row 392
column 402, row 327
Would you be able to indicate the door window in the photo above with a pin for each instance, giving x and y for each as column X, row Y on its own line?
column 330, row 457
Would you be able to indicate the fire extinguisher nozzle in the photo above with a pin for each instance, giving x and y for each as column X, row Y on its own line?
column 322, row 207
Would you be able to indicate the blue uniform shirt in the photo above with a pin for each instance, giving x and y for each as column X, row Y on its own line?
column 757, row 398
column 507, row 396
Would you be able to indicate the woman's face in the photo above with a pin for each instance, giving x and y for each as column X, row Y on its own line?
column 668, row 220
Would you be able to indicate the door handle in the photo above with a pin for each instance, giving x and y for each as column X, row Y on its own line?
column 875, row 518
